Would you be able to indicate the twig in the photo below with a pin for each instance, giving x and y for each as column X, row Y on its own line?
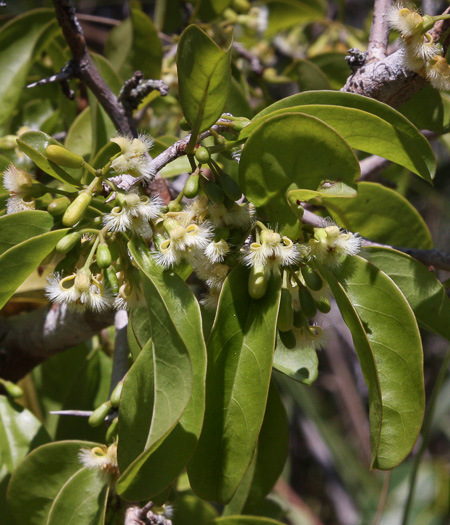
column 85, row 69
column 120, row 358
column 371, row 166
column 144, row 516
column 255, row 64
column 434, row 258
column 136, row 89
column 67, row 72
column 52, row 330
column 77, row 413
column 379, row 32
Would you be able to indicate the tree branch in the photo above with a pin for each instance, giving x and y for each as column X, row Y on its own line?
column 86, row 70
column 379, row 32
column 29, row 339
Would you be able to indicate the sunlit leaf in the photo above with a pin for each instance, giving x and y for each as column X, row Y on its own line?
column 19, row 227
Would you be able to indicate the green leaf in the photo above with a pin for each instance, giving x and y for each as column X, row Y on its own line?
column 428, row 109
column 189, row 509
column 135, row 45
column 18, row 262
column 203, row 78
column 336, row 189
column 381, row 215
column 387, row 341
column 300, row 364
column 34, row 144
column 18, row 40
column 19, row 227
column 79, row 135
column 334, row 66
column 309, row 76
column 20, row 432
column 50, row 477
column 246, row 520
column 284, row 153
column 172, row 308
column 240, row 350
column 287, row 13
column 425, row 294
column 367, row 125
column 138, row 330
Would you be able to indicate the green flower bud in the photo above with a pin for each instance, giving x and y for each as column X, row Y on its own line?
column 174, row 206
column 230, row 188
column 312, row 279
column 257, row 283
column 104, row 258
column 184, row 125
column 68, row 243
column 323, row 304
column 58, row 206
column 111, row 280
column 214, row 192
column 77, row 209
column 11, row 388
column 98, row 416
column 202, row 155
column 307, row 302
column 192, row 186
column 63, row 157
column 241, row 6
column 111, row 433
column 116, row 393
column 286, row 312
column 288, row 339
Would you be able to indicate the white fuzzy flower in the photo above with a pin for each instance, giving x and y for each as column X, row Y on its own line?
column 130, row 295
column 133, row 214
column 103, row 459
column 216, row 251
column 403, row 19
column 18, row 183
column 313, row 336
column 331, row 244
column 16, row 204
column 438, row 73
column 133, row 159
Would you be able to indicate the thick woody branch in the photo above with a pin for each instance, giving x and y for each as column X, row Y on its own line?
column 379, row 32
column 434, row 258
column 85, row 68
column 29, row 339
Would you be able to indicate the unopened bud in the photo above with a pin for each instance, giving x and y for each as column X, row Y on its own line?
column 104, row 258
column 64, row 157
column 77, row 209
column 58, row 206
column 257, row 282
column 98, row 416
column 286, row 312
column 116, row 393
column 67, row 243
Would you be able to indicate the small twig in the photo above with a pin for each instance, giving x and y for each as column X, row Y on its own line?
column 144, row 516
column 77, row 413
column 67, row 72
column 371, row 166
column 379, row 32
column 255, row 64
column 120, row 357
column 383, row 497
column 136, row 89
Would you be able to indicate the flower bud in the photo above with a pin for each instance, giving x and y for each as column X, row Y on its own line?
column 230, row 188
column 312, row 279
column 288, row 339
column 214, row 192
column 67, row 243
column 58, row 206
column 63, row 157
column 257, row 282
column 286, row 312
column 202, row 155
column 241, row 6
column 307, row 302
column 98, row 416
column 104, row 258
column 11, row 388
column 116, row 393
column 77, row 209
column 174, row 206
column 192, row 186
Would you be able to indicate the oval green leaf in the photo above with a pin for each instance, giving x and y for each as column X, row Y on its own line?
column 240, row 350
column 367, row 125
column 203, row 78
column 382, row 215
column 22, row 226
column 40, row 480
column 300, row 364
column 288, row 151
column 387, row 341
column 18, row 262
column 34, row 144
column 425, row 294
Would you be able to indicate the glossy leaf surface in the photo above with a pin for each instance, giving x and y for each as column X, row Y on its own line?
column 42, row 478
column 29, row 254
column 387, row 341
column 300, row 364
column 366, row 124
column 203, row 78
column 283, row 153
column 240, row 350
column 18, row 227
column 381, row 215
column 425, row 294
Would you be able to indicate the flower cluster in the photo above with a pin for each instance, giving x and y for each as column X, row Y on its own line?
column 420, row 53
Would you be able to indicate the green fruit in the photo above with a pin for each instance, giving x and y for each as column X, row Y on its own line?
column 323, row 304
column 77, row 209
column 202, row 155
column 307, row 302
column 98, row 416
column 116, row 393
column 68, row 243
column 58, row 206
column 230, row 187
column 288, row 339
column 111, row 433
column 104, row 258
column 64, row 157
column 111, row 280
column 192, row 186
column 257, row 283
column 286, row 312
column 241, row 6
column 174, row 206
column 214, row 192
column 312, row 278
column 11, row 388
